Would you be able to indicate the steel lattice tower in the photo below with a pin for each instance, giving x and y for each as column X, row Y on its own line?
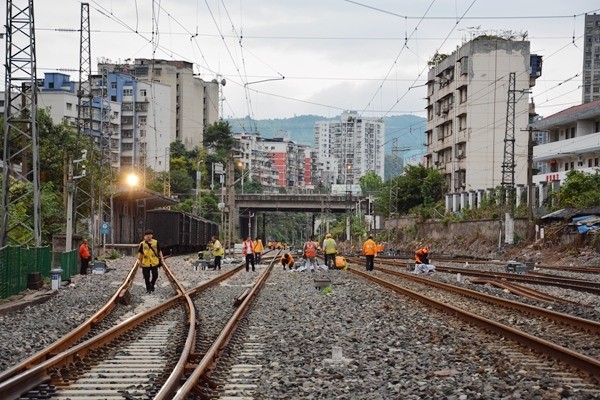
column 508, row 165
column 85, row 198
column 20, row 159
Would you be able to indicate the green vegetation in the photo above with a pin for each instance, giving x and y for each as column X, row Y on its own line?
column 418, row 191
column 580, row 190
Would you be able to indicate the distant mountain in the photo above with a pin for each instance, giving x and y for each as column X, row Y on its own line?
column 408, row 129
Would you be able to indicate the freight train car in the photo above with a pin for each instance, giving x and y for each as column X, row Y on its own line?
column 180, row 232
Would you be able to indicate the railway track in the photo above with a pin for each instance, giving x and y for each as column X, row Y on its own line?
column 87, row 357
column 185, row 349
column 555, row 330
column 591, row 269
column 531, row 278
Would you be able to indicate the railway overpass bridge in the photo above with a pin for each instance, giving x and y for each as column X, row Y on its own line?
column 249, row 206
column 315, row 203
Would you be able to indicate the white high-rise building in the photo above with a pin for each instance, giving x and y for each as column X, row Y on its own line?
column 193, row 102
column 349, row 148
column 467, row 93
column 591, row 58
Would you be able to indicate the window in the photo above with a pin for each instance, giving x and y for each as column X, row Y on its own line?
column 462, row 93
column 128, row 92
column 113, row 85
column 142, row 92
column 462, row 122
column 566, row 166
column 69, row 106
column 142, row 120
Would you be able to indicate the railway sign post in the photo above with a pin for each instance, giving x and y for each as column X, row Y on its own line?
column 104, row 230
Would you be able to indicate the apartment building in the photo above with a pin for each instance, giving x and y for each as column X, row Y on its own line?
column 349, row 148
column 58, row 95
column 145, row 120
column 276, row 162
column 193, row 102
column 467, row 107
column 591, row 58
column 573, row 143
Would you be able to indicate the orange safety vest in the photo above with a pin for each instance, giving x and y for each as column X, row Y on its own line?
column 310, row 249
column 369, row 248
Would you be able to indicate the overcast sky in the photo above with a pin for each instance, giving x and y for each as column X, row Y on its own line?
column 369, row 56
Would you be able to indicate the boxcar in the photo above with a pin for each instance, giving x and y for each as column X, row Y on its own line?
column 180, row 232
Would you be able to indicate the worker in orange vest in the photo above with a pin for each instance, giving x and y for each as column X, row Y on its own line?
column 369, row 249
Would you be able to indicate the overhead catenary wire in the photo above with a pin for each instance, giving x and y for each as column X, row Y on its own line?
column 393, row 108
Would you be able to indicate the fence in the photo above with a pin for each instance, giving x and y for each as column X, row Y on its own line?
column 16, row 263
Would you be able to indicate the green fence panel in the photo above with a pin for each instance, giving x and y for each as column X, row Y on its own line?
column 16, row 263
column 10, row 262
column 69, row 264
column 34, row 259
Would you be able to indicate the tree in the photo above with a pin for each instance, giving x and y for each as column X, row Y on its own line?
column 253, row 186
column 218, row 137
column 370, row 183
column 418, row 186
column 580, row 190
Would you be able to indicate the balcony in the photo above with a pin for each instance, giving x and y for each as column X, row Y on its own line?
column 567, row 148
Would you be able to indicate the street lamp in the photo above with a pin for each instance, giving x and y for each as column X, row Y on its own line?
column 132, row 180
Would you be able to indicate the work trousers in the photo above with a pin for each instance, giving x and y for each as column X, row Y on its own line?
column 217, row 262
column 330, row 260
column 85, row 264
column 249, row 260
column 370, row 262
column 146, row 271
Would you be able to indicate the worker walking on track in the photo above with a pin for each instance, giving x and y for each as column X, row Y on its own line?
column 248, row 251
column 330, row 249
column 150, row 257
column 369, row 249
column 310, row 253
column 217, row 251
column 258, row 249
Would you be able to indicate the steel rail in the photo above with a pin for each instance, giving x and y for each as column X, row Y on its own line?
column 567, row 283
column 565, row 319
column 525, row 292
column 579, row 361
column 39, row 373
column 570, row 268
column 215, row 349
column 77, row 333
column 173, row 382
column 15, row 386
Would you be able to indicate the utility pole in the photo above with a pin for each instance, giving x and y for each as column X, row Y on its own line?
column 508, row 165
column 530, row 173
column 230, row 199
column 20, row 123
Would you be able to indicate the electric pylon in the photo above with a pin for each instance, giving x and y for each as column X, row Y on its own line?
column 508, row 165
column 20, row 159
column 85, row 196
